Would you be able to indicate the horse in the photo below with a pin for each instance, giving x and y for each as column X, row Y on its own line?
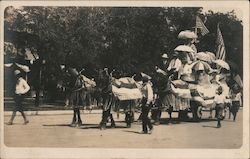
column 75, row 85
column 164, row 98
column 104, row 84
column 104, row 91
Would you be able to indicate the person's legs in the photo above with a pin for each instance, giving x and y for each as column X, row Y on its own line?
column 20, row 109
column 148, row 122
column 170, row 110
column 235, row 109
column 12, row 117
column 24, row 118
column 127, row 117
column 79, row 122
column 105, row 112
column 14, row 111
column 218, row 123
column 234, row 114
column 220, row 110
column 144, row 119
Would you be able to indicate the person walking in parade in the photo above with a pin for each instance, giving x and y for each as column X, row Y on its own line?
column 219, row 101
column 75, row 86
column 236, row 101
column 147, row 92
column 21, row 88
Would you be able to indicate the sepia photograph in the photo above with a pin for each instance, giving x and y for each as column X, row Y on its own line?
column 124, row 79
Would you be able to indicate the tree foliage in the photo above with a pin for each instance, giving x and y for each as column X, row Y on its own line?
column 130, row 38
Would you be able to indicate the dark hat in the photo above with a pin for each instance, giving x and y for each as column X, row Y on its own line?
column 145, row 79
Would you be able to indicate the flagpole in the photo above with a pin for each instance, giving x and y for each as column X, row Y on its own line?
column 195, row 31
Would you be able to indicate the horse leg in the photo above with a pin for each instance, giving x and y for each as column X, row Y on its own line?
column 170, row 110
column 105, row 119
column 234, row 115
column 79, row 117
column 74, row 118
column 103, row 122
column 112, row 120
column 158, row 115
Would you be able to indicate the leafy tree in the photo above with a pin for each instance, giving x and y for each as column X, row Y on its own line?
column 130, row 39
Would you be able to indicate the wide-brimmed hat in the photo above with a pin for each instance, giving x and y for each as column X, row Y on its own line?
column 187, row 34
column 165, row 56
column 184, row 48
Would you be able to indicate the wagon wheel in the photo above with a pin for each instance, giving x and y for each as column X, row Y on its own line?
column 199, row 112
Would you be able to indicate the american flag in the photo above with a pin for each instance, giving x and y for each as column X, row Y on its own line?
column 221, row 51
column 201, row 25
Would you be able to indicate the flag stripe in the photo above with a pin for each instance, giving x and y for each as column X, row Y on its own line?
column 221, row 51
column 201, row 25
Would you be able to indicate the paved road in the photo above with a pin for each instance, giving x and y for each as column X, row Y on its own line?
column 54, row 131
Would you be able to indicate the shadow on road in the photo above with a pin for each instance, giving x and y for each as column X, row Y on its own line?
column 96, row 126
column 184, row 121
column 135, row 132
column 208, row 126
column 57, row 125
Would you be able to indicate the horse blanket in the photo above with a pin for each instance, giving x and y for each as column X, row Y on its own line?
column 126, row 89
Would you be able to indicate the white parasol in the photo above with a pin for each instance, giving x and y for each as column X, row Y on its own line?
column 187, row 34
column 201, row 66
column 222, row 64
column 23, row 67
column 145, row 75
column 205, row 56
column 184, row 48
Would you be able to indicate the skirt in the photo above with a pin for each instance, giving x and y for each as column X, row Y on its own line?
column 168, row 100
column 235, row 106
column 181, row 103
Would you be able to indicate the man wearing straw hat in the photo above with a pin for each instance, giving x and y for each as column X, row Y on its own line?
column 21, row 88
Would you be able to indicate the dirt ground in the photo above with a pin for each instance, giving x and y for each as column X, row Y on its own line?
column 54, row 131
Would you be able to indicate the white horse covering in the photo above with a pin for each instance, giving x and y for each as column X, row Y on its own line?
column 126, row 89
column 126, row 93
